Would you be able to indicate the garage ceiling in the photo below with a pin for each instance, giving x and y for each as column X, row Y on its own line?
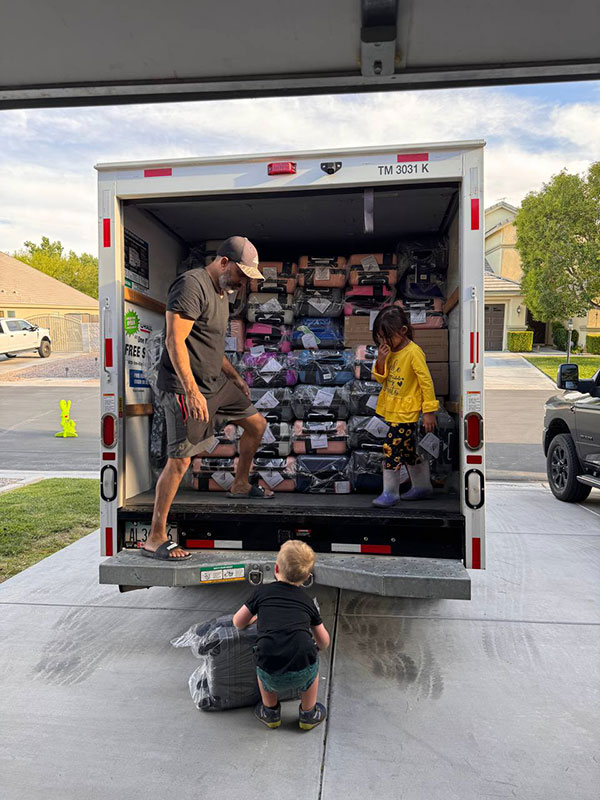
column 73, row 52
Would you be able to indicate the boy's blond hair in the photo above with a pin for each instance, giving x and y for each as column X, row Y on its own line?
column 295, row 561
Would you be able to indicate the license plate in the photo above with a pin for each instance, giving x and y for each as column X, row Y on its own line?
column 137, row 533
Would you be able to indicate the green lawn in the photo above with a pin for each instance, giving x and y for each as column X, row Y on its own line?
column 588, row 365
column 38, row 520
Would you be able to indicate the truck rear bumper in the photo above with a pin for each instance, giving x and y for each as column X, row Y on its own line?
column 391, row 576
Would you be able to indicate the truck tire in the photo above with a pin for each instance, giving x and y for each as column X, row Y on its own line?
column 10, row 355
column 44, row 349
column 562, row 468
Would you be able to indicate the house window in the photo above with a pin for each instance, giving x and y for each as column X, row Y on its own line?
column 1, row 314
column 11, row 313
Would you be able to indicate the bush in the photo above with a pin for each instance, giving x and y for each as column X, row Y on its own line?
column 560, row 336
column 520, row 341
column 592, row 343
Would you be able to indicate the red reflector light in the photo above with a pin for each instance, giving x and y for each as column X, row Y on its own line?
column 200, row 543
column 109, row 430
column 106, row 232
column 282, row 168
column 474, row 215
column 108, row 541
column 109, row 457
column 473, row 431
column 474, row 459
column 382, row 549
column 164, row 172
column 476, row 559
column 108, row 353
column 404, row 157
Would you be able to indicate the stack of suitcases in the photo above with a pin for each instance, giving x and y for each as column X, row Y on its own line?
column 303, row 343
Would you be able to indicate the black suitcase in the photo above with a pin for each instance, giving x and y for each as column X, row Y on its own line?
column 323, row 474
column 321, row 402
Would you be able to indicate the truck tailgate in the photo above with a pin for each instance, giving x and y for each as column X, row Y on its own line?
column 392, row 576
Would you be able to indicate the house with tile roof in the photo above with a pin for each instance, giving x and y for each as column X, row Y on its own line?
column 505, row 307
column 26, row 292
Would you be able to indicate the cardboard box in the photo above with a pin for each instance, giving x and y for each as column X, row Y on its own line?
column 357, row 331
column 439, row 375
column 434, row 343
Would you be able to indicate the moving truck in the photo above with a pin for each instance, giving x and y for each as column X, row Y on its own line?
column 340, row 202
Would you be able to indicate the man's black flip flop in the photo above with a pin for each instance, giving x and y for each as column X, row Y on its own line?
column 162, row 553
column 255, row 491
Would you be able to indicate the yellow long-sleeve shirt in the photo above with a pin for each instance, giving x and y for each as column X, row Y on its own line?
column 406, row 386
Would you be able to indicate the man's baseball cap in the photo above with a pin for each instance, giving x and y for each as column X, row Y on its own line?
column 245, row 255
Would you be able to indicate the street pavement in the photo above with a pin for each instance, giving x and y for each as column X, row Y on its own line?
column 515, row 393
column 29, row 418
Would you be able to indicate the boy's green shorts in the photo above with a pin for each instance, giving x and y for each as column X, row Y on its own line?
column 302, row 679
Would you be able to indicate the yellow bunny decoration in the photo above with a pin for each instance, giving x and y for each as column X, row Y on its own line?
column 68, row 425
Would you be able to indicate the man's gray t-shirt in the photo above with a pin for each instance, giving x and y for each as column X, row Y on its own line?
column 193, row 295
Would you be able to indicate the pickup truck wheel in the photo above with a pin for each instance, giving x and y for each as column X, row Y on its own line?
column 44, row 349
column 562, row 467
column 10, row 355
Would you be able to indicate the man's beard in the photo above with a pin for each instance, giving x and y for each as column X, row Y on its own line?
column 225, row 283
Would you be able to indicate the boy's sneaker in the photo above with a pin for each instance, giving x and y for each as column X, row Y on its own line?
column 386, row 500
column 270, row 716
column 310, row 719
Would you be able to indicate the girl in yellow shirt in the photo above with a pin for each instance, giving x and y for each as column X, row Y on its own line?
column 406, row 391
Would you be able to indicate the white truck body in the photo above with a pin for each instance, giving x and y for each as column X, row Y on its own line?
column 172, row 205
column 19, row 336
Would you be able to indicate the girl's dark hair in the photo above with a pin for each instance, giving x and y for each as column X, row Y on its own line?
column 390, row 321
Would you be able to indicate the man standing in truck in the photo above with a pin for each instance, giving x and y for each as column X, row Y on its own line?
column 196, row 382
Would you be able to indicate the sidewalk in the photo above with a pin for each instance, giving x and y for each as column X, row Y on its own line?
column 16, row 478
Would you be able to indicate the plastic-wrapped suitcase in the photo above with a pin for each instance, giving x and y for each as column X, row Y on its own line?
column 225, row 445
column 367, row 433
column 422, row 267
column 226, row 675
column 373, row 269
column 323, row 474
column 235, row 337
column 213, row 474
column 267, row 370
column 270, row 308
column 318, row 302
column 275, row 269
column 440, row 447
column 321, row 402
column 276, row 441
column 318, row 333
column 424, row 314
column 361, row 300
column 366, row 471
column 278, row 474
column 324, row 367
column 283, row 284
column 272, row 338
column 365, row 357
column 363, row 398
column 274, row 404
column 319, row 438
column 322, row 273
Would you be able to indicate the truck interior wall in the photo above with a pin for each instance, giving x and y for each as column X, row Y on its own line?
column 165, row 252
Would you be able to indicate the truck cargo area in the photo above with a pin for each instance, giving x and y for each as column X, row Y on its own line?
column 396, row 548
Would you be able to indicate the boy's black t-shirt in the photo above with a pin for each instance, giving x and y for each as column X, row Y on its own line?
column 285, row 615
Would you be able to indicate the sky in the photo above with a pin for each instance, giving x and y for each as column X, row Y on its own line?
column 47, row 156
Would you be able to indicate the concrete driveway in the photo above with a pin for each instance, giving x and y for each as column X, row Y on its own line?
column 515, row 393
column 449, row 699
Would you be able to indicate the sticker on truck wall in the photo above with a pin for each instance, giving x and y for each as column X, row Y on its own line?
column 137, row 331
column 222, row 573
column 136, row 260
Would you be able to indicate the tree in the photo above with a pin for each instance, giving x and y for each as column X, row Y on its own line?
column 80, row 272
column 558, row 237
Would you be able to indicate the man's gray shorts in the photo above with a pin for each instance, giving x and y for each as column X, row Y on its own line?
column 187, row 436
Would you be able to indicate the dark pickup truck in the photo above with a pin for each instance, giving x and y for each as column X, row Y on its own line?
column 571, row 436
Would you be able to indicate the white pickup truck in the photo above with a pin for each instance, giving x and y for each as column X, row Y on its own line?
column 18, row 336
